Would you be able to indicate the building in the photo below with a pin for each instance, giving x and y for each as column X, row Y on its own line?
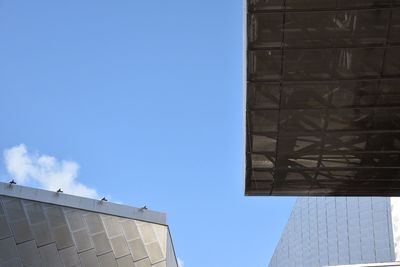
column 386, row 264
column 323, row 98
column 42, row 228
column 331, row 231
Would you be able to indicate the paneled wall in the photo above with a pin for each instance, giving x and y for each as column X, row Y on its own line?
column 324, row 231
column 38, row 234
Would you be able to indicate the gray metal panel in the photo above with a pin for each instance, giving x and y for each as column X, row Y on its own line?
column 52, row 235
column 5, row 230
column 63, row 237
column 143, row 263
column 35, row 212
column 8, row 249
column 13, row 209
column 55, row 216
column 137, row 249
column 42, row 234
column 113, row 226
column 160, row 264
column 75, row 219
column 126, row 261
column 29, row 254
column 107, row 260
column 94, row 223
column 83, row 241
column 120, row 247
column 69, row 257
column 171, row 257
column 15, row 262
column 50, row 256
column 147, row 232
column 89, row 259
column 101, row 243
column 22, row 231
column 130, row 230
column 155, row 253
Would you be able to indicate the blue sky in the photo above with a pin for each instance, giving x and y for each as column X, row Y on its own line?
column 146, row 97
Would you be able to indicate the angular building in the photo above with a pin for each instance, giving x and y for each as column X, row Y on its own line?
column 39, row 228
column 323, row 97
column 386, row 264
column 331, row 231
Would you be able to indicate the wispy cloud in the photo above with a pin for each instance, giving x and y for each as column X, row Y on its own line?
column 180, row 263
column 50, row 173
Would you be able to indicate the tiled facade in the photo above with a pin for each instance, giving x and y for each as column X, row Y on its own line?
column 328, row 231
column 383, row 264
column 38, row 234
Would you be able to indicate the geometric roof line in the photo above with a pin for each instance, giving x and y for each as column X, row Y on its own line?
column 82, row 203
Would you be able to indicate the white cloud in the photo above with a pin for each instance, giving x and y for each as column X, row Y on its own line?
column 180, row 262
column 49, row 172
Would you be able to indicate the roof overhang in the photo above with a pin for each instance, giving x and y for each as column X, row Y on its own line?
column 323, row 97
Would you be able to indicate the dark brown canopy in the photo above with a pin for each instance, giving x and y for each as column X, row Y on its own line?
column 323, row 97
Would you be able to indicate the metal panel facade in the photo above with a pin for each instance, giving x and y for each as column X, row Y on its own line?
column 328, row 231
column 323, row 98
column 39, row 234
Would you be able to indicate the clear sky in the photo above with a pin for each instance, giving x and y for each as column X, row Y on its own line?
column 146, row 98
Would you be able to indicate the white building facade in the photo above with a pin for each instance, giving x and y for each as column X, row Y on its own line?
column 330, row 231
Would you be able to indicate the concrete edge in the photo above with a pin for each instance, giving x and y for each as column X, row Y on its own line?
column 82, row 203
